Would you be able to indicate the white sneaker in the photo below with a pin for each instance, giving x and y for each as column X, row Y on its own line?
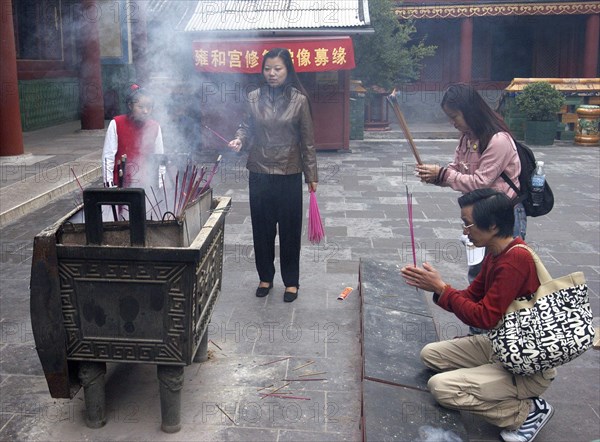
column 533, row 424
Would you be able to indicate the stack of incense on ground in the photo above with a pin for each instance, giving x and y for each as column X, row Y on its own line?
column 301, row 378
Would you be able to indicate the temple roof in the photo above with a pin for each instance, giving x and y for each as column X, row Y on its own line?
column 267, row 15
column 579, row 85
column 444, row 9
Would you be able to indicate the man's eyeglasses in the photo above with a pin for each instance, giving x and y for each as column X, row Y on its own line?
column 465, row 227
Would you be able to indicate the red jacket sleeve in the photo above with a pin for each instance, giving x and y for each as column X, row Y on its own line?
column 501, row 280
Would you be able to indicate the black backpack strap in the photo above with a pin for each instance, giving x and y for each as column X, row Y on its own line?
column 520, row 197
column 510, row 183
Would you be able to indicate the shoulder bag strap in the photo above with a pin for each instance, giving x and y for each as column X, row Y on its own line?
column 543, row 274
column 547, row 284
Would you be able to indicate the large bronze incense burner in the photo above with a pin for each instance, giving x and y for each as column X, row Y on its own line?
column 135, row 291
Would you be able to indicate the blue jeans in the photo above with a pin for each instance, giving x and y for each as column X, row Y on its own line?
column 520, row 227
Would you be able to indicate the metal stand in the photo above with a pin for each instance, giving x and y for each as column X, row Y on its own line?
column 91, row 376
column 170, row 379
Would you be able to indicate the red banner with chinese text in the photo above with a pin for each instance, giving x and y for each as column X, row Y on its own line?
column 246, row 56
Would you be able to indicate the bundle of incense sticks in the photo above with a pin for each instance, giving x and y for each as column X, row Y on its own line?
column 393, row 100
column 188, row 189
column 410, row 225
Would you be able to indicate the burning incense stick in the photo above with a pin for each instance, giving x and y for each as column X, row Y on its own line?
column 212, row 174
column 393, row 100
column 217, row 134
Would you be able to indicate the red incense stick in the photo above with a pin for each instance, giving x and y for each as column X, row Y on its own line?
column 410, row 225
column 212, row 174
column 276, row 360
column 302, row 380
column 217, row 134
column 76, row 179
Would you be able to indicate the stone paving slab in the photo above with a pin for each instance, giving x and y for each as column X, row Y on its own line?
column 392, row 343
column 398, row 413
column 28, row 412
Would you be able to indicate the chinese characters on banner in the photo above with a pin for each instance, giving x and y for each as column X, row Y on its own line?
column 246, row 56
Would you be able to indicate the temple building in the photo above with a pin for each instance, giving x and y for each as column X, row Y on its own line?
column 489, row 43
column 66, row 61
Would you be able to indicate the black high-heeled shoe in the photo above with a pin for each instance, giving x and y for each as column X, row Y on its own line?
column 261, row 292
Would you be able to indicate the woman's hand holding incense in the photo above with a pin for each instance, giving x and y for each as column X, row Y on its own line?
column 235, row 145
column 426, row 278
column 428, row 172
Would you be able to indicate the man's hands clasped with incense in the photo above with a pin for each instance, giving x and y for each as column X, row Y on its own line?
column 426, row 278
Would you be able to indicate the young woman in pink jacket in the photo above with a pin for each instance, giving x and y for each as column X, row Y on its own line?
column 485, row 150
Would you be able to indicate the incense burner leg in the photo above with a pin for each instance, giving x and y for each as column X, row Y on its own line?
column 202, row 352
column 91, row 376
column 170, row 379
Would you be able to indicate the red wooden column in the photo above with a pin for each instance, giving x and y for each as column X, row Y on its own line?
column 590, row 51
column 466, row 50
column 92, row 112
column 11, row 136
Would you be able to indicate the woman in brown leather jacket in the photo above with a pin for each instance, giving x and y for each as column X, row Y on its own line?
column 278, row 132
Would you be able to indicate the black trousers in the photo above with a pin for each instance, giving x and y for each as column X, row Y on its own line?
column 276, row 204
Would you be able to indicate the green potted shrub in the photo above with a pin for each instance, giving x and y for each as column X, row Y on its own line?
column 540, row 102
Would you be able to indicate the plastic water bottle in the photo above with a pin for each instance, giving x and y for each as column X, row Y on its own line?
column 538, row 179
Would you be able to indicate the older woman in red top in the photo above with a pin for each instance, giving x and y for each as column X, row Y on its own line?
column 135, row 138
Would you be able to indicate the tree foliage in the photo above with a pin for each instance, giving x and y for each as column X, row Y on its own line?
column 540, row 101
column 389, row 56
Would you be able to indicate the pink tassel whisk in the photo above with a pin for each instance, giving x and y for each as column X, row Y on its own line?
column 316, row 232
